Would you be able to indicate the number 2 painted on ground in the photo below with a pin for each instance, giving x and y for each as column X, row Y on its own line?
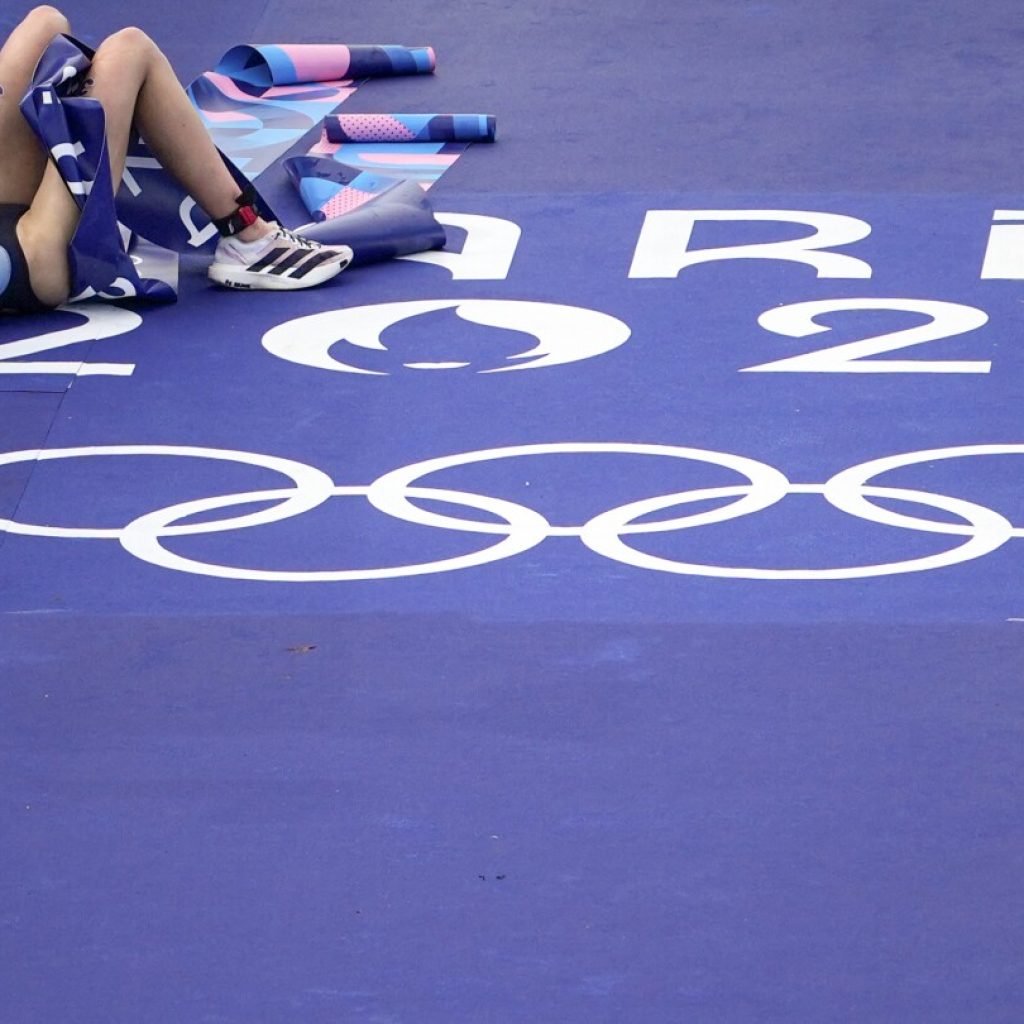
column 101, row 321
column 947, row 319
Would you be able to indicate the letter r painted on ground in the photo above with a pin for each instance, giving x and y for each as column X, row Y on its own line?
column 663, row 249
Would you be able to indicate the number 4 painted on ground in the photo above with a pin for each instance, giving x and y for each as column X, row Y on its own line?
column 947, row 319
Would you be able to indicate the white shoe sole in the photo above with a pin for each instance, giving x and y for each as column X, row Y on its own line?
column 232, row 275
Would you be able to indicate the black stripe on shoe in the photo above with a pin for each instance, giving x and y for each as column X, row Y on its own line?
column 296, row 256
column 266, row 261
column 313, row 262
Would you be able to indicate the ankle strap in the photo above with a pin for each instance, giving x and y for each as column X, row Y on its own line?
column 246, row 214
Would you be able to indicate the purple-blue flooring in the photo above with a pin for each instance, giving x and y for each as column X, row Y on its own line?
column 563, row 784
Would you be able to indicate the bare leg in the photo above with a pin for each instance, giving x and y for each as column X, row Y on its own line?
column 22, row 159
column 137, row 87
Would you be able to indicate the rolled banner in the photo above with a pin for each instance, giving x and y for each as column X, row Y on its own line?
column 341, row 128
column 293, row 63
column 397, row 222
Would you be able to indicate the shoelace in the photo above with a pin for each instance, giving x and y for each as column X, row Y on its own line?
column 296, row 240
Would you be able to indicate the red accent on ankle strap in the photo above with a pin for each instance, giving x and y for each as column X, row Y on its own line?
column 247, row 215
column 243, row 217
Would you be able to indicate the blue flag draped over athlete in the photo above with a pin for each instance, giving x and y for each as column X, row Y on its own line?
column 72, row 129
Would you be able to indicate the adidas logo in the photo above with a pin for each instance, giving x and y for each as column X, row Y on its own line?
column 286, row 260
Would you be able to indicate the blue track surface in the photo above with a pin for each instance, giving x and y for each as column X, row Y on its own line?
column 589, row 779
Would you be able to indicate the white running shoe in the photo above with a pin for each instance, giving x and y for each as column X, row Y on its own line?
column 281, row 260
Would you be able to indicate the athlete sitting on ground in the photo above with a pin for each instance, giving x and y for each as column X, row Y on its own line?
column 138, row 89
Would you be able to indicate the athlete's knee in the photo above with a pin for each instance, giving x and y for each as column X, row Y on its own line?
column 47, row 20
column 130, row 39
column 127, row 55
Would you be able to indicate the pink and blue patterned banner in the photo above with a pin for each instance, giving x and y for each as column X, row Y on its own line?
column 330, row 189
column 335, row 180
column 341, row 128
column 260, row 100
column 256, row 125
column 423, row 162
column 379, row 216
column 394, row 219
column 291, row 63
column 352, row 164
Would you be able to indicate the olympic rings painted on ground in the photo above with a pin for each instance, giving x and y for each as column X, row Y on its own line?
column 312, row 487
column 522, row 528
column 387, row 491
column 603, row 535
column 845, row 490
column 142, row 538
